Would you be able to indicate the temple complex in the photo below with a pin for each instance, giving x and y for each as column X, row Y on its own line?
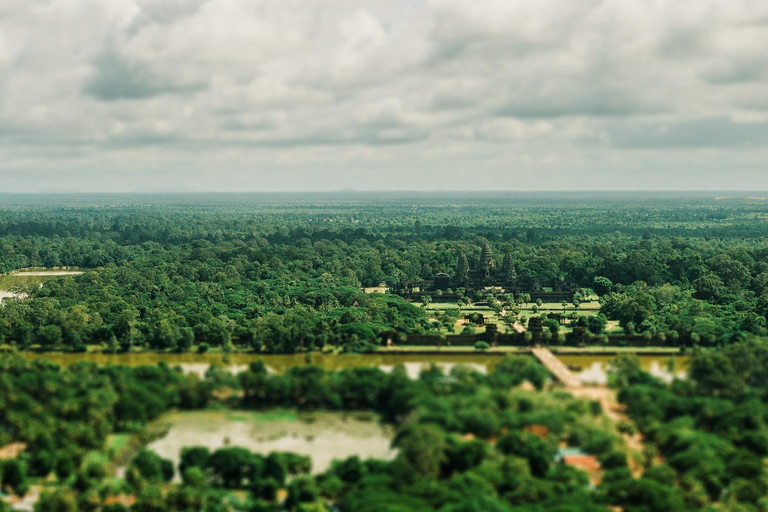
column 483, row 273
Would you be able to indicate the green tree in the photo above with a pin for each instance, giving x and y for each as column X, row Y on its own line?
column 14, row 476
column 601, row 285
column 423, row 448
column 152, row 467
column 58, row 500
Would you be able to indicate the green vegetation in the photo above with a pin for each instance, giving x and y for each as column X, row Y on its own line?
column 447, row 427
column 63, row 414
column 459, row 436
column 284, row 274
column 281, row 274
column 711, row 431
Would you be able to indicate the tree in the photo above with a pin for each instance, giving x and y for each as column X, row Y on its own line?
column 708, row 287
column 601, row 285
column 150, row 499
column 537, row 451
column 15, row 476
column 194, row 477
column 152, row 467
column 301, row 490
column 112, row 344
column 49, row 336
column 478, row 503
column 231, row 467
column 422, row 447
column 59, row 500
column 186, row 340
column 193, row 456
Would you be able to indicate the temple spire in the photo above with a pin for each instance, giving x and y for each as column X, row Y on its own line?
column 508, row 267
column 485, row 257
column 462, row 267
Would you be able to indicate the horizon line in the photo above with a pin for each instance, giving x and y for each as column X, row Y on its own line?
column 385, row 191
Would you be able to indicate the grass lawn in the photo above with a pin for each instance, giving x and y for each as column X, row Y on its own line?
column 558, row 349
column 276, row 415
column 117, row 441
column 613, row 348
column 438, row 349
column 585, row 309
column 441, row 306
column 9, row 282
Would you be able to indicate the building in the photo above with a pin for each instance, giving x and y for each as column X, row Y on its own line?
column 484, row 273
column 576, row 458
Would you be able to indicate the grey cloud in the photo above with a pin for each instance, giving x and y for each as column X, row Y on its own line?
column 737, row 69
column 683, row 43
column 577, row 103
column 376, row 131
column 700, row 133
column 168, row 11
column 382, row 137
column 142, row 140
column 753, row 100
column 239, row 124
column 115, row 77
column 163, row 12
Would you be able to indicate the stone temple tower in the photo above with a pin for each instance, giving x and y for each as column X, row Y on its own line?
column 485, row 259
column 508, row 267
column 462, row 267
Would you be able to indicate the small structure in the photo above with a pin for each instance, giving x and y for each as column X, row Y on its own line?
column 538, row 430
column 120, row 499
column 576, row 458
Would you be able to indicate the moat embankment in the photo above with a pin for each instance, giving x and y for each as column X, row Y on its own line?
column 589, row 365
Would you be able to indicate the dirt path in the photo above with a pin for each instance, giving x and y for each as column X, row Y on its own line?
column 615, row 412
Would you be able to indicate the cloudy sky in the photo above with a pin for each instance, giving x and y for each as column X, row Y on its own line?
column 273, row 95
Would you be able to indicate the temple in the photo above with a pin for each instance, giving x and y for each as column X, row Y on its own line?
column 484, row 273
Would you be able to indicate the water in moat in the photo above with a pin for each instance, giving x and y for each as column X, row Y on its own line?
column 324, row 436
column 590, row 369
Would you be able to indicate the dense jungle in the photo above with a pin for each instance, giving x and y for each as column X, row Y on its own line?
column 286, row 274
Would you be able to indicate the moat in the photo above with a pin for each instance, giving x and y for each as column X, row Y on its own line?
column 589, row 368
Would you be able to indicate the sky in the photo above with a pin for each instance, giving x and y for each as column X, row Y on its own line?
column 288, row 95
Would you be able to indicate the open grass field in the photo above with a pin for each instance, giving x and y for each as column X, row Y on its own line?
column 435, row 309
column 32, row 277
column 275, row 415
column 117, row 441
column 13, row 281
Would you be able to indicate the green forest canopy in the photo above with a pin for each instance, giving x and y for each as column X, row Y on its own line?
column 284, row 272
